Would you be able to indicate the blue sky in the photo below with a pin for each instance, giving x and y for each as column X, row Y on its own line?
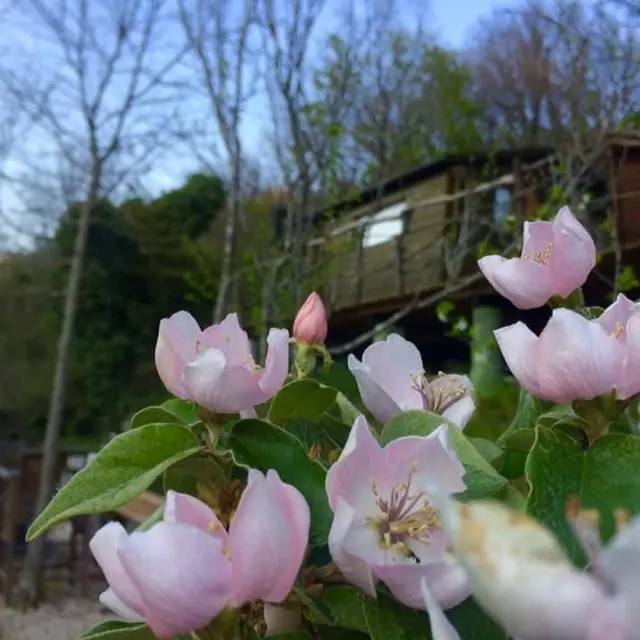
column 450, row 20
column 455, row 17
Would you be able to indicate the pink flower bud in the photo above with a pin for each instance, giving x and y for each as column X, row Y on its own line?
column 310, row 325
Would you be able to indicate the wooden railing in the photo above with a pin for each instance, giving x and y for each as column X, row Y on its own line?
column 142, row 507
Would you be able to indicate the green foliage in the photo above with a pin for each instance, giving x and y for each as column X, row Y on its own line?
column 305, row 399
column 264, row 446
column 604, row 478
column 384, row 618
column 126, row 466
column 115, row 630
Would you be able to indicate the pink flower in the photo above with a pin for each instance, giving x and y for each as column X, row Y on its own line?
column 182, row 572
column 575, row 358
column 215, row 367
column 557, row 258
column 391, row 379
column 175, row 577
column 622, row 321
column 310, row 325
column 384, row 526
column 520, row 576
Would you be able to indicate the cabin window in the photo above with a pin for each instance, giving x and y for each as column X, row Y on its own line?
column 501, row 205
column 384, row 225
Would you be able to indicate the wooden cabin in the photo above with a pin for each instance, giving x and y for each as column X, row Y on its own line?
column 424, row 229
column 412, row 233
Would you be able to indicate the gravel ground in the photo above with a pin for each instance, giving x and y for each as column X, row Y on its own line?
column 65, row 620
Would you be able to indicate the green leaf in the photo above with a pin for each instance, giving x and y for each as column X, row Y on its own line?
column 489, row 450
column 292, row 635
column 529, row 408
column 339, row 377
column 124, row 467
column 301, row 399
column 154, row 415
column 516, row 449
column 347, row 410
column 481, row 478
column 335, row 430
column 554, row 471
column 387, row 619
column 604, row 478
column 185, row 410
column 554, row 419
column 610, row 478
column 116, row 630
column 345, row 605
column 512, row 498
column 264, row 446
column 184, row 475
column 473, row 623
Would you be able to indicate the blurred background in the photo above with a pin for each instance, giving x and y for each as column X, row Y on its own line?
column 219, row 155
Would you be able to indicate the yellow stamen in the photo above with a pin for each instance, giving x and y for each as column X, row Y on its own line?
column 618, row 331
column 544, row 257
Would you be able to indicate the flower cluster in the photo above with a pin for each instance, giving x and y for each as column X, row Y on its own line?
column 387, row 493
column 184, row 571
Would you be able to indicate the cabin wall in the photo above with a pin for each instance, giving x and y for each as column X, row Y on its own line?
column 405, row 264
column 626, row 194
column 440, row 237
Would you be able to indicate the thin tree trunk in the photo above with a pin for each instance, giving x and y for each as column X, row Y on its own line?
column 30, row 587
column 229, row 245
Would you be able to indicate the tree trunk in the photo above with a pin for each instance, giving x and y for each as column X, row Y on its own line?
column 229, row 246
column 29, row 589
column 486, row 373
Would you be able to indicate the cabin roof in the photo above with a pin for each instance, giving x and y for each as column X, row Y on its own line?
column 432, row 169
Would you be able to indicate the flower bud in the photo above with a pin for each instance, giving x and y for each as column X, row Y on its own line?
column 310, row 325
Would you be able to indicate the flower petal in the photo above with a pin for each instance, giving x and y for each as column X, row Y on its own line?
column 573, row 255
column 295, row 511
column 350, row 476
column 110, row 600
column 576, row 359
column 430, row 459
column 104, row 546
column 448, row 582
column 455, row 392
column 441, row 628
column 281, row 620
column 276, row 366
column 175, row 348
column 344, row 536
column 537, row 238
column 630, row 384
column 518, row 346
column 268, row 538
column 461, row 411
column 615, row 316
column 181, row 573
column 621, row 561
column 230, row 338
column 525, row 283
column 213, row 384
column 180, row 507
column 393, row 364
column 375, row 398
column 520, row 576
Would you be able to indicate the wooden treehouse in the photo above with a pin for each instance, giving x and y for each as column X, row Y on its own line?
column 421, row 231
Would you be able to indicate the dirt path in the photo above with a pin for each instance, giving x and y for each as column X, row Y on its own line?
column 66, row 620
